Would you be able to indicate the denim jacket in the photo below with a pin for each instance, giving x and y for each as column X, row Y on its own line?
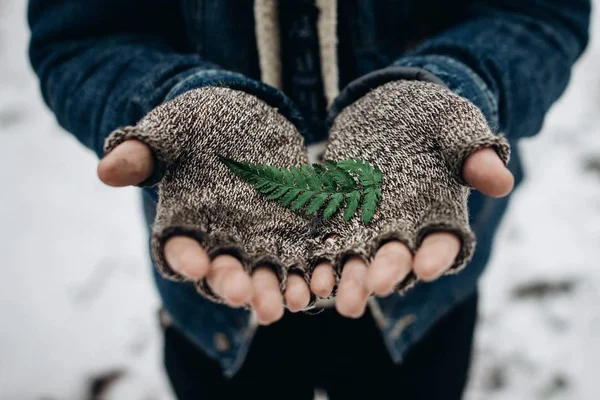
column 105, row 64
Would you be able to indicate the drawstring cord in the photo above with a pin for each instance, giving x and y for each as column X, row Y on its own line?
column 268, row 43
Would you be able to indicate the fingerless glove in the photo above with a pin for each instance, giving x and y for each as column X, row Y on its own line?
column 419, row 135
column 201, row 198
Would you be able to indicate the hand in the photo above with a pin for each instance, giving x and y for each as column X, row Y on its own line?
column 484, row 171
column 131, row 163
column 184, row 178
column 430, row 145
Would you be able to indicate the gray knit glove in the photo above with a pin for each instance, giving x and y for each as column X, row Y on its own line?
column 201, row 198
column 419, row 135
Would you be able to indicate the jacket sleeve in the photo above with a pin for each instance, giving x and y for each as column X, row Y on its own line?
column 512, row 58
column 103, row 64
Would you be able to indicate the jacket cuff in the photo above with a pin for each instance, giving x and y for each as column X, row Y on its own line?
column 200, row 78
column 436, row 69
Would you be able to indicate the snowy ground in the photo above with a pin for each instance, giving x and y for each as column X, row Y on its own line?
column 78, row 305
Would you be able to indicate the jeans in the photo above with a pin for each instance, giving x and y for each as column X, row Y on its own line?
column 347, row 358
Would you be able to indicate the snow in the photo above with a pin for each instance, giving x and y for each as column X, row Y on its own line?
column 77, row 300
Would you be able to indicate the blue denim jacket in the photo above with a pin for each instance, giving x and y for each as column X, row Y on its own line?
column 105, row 64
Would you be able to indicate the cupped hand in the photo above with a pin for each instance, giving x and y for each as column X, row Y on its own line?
column 130, row 163
column 484, row 171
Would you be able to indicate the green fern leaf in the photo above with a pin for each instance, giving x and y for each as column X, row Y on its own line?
column 278, row 193
column 300, row 181
column 378, row 176
column 353, row 198
column 291, row 195
column 341, row 176
column 311, row 178
column 302, row 200
column 275, row 173
column 262, row 171
column 370, row 200
column 262, row 185
column 316, row 203
column 349, row 165
column 288, row 178
column 316, row 186
column 268, row 173
column 368, row 176
column 273, row 186
column 254, row 173
column 333, row 205
column 325, row 177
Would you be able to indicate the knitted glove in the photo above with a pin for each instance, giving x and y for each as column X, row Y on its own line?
column 419, row 135
column 201, row 198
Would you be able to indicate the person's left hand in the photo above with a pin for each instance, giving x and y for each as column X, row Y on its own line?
column 430, row 145
column 484, row 171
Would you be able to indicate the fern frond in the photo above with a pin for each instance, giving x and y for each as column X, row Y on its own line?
column 316, row 186
column 278, row 193
column 353, row 198
column 291, row 195
column 370, row 200
column 262, row 185
column 367, row 174
column 325, row 177
column 274, row 173
column 300, row 181
column 341, row 176
column 311, row 178
column 302, row 200
column 288, row 178
column 317, row 203
column 333, row 205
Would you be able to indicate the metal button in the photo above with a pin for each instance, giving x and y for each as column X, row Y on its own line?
column 221, row 342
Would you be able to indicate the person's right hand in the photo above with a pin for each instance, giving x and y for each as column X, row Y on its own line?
column 131, row 163
column 185, row 193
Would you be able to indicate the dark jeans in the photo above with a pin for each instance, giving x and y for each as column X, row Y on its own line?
column 347, row 358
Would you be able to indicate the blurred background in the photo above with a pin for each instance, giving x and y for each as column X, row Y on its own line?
column 78, row 308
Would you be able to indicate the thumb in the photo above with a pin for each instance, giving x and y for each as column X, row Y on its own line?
column 127, row 164
column 485, row 171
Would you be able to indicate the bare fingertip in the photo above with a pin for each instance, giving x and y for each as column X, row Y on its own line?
column 428, row 268
column 352, row 298
column 486, row 172
column 237, row 291
column 107, row 171
column 350, row 310
column 297, row 303
column 322, row 289
column 505, row 185
column 185, row 256
column 268, row 307
column 129, row 163
column 297, row 294
column 322, row 280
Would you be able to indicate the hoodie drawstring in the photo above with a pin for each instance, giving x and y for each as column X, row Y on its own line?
column 268, row 42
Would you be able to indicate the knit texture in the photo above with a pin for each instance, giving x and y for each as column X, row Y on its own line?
column 419, row 135
column 200, row 197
